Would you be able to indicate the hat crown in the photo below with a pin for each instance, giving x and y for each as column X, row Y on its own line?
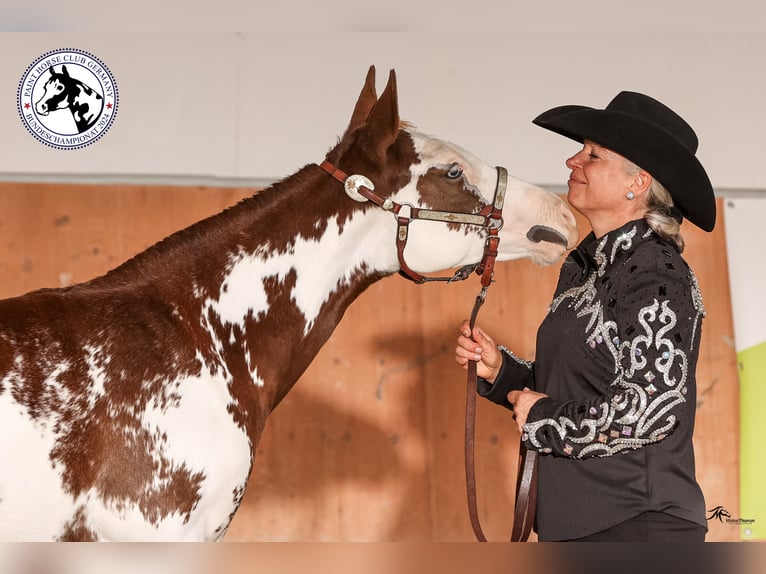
column 647, row 109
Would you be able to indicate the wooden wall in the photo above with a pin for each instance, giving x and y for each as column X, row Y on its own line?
column 369, row 444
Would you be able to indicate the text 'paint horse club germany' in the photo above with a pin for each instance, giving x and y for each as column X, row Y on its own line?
column 131, row 405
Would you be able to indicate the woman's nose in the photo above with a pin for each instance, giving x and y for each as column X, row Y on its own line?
column 577, row 159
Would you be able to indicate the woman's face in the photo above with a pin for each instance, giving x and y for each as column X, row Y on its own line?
column 598, row 182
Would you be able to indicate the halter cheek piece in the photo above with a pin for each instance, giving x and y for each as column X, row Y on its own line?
column 360, row 188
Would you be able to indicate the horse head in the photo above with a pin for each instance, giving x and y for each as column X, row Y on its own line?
column 55, row 92
column 62, row 91
column 409, row 168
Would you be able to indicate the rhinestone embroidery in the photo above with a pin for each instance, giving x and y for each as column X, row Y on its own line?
column 635, row 415
column 512, row 355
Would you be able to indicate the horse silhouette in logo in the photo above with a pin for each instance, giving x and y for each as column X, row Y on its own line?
column 62, row 91
column 718, row 512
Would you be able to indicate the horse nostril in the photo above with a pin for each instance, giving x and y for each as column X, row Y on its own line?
column 538, row 233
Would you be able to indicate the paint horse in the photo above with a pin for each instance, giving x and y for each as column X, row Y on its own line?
column 131, row 405
column 62, row 91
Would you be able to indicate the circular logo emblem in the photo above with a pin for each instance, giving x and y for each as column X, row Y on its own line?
column 67, row 99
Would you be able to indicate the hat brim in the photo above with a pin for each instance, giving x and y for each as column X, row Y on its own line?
column 648, row 146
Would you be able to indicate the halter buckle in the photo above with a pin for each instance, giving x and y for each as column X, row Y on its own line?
column 352, row 185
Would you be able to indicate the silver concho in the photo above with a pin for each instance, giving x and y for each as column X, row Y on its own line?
column 352, row 185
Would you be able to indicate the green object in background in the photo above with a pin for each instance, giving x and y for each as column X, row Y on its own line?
column 752, row 481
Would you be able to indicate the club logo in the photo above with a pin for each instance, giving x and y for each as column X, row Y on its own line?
column 67, row 99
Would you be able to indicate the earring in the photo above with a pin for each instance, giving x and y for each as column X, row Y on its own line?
column 630, row 195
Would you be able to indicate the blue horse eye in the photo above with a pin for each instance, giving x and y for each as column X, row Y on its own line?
column 454, row 171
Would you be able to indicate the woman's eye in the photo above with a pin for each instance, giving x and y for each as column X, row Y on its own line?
column 592, row 155
column 454, row 171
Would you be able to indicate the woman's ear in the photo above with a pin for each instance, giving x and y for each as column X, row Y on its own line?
column 641, row 182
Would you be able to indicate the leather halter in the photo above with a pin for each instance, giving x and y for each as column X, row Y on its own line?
column 360, row 188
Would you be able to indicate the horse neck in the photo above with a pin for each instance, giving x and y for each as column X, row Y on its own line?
column 277, row 271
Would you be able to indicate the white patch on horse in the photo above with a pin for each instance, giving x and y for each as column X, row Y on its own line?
column 251, row 369
column 429, row 149
column 198, row 433
column 33, row 508
column 319, row 272
column 54, row 387
column 96, row 361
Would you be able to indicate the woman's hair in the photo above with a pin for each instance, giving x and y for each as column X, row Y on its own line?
column 661, row 214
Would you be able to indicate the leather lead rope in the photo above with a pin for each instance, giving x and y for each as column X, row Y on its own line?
column 526, row 478
column 470, row 432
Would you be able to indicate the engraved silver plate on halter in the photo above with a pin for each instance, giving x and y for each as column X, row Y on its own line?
column 451, row 217
column 352, row 185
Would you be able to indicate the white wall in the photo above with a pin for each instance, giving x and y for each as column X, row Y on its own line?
column 257, row 106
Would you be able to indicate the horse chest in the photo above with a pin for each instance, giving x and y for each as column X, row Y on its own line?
column 170, row 463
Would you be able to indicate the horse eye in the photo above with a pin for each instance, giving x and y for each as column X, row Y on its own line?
column 454, row 171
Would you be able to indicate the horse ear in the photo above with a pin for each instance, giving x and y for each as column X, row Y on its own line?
column 383, row 121
column 365, row 102
column 63, row 71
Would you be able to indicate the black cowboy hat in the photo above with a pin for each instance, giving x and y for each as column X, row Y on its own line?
column 652, row 136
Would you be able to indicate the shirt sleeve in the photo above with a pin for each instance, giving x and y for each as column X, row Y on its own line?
column 515, row 374
column 654, row 329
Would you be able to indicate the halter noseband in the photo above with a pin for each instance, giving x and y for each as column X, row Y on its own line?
column 360, row 188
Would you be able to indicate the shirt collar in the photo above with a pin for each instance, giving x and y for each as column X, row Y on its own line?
column 597, row 253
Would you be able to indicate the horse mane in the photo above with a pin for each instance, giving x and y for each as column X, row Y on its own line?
column 152, row 261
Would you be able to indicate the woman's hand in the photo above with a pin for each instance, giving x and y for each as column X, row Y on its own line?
column 522, row 402
column 481, row 348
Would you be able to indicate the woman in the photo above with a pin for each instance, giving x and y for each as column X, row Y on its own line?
column 610, row 400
